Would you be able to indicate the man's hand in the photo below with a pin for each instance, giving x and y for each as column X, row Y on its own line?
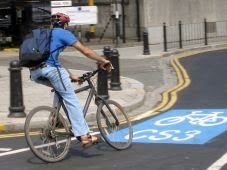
column 74, row 78
column 106, row 65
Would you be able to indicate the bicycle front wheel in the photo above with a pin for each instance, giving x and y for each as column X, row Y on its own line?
column 47, row 134
column 114, row 125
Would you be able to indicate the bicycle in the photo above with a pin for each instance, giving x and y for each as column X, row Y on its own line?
column 48, row 132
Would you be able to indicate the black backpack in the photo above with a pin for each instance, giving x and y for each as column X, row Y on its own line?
column 35, row 48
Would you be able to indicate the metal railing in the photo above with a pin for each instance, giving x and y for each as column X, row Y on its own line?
column 203, row 33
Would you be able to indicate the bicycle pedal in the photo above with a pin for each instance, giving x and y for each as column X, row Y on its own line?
column 71, row 134
column 78, row 138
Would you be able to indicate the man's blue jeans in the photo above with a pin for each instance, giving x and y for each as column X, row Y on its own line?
column 79, row 125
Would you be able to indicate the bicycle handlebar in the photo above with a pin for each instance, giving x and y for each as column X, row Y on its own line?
column 86, row 76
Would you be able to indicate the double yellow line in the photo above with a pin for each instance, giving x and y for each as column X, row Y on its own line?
column 13, row 135
column 2, row 127
column 11, row 50
column 169, row 97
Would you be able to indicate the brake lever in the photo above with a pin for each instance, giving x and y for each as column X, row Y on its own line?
column 80, row 81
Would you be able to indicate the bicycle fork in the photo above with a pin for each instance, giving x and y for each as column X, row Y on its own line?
column 112, row 114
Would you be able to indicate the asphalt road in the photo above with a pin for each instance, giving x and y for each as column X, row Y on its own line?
column 208, row 73
column 170, row 148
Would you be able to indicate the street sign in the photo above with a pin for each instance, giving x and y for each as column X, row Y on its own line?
column 61, row 3
column 81, row 15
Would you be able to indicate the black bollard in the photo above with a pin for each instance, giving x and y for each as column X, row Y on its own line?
column 102, row 85
column 115, row 75
column 205, row 32
column 146, row 49
column 107, row 54
column 16, row 107
column 165, row 37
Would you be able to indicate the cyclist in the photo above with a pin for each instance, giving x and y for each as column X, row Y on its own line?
column 52, row 73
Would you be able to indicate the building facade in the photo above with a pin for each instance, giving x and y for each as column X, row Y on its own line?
column 17, row 17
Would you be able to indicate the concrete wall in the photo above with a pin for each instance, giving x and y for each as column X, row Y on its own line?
column 171, row 11
column 189, row 11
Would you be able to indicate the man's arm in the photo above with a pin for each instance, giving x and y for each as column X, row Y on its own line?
column 71, row 75
column 105, row 64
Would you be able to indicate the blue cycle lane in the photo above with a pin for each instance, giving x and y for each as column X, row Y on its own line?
column 200, row 113
column 182, row 127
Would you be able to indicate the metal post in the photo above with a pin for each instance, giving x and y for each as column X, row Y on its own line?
column 80, row 33
column 146, row 50
column 180, row 34
column 102, row 84
column 115, row 76
column 16, row 107
column 123, row 20
column 107, row 54
column 14, row 29
column 117, row 24
column 92, row 27
column 164, row 37
column 138, row 20
column 205, row 32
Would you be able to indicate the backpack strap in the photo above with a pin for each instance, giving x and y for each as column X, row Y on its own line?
column 50, row 43
column 59, row 73
column 57, row 49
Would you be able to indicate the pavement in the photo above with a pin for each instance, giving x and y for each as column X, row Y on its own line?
column 131, row 97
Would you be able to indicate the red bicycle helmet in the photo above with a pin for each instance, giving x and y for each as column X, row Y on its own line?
column 59, row 18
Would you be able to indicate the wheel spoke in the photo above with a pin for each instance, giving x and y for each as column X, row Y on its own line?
column 114, row 125
column 41, row 131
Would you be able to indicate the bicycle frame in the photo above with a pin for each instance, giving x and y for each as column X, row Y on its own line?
column 91, row 94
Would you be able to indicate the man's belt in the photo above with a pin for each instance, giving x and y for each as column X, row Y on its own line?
column 42, row 65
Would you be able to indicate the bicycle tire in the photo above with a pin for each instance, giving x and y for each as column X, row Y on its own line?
column 43, row 151
column 117, row 136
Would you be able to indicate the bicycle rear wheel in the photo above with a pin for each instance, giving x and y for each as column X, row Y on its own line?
column 47, row 134
column 114, row 125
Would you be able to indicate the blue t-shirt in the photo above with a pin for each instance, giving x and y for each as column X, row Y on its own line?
column 60, row 38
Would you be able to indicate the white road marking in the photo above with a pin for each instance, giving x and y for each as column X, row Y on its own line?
column 14, row 152
column 219, row 163
column 5, row 149
column 27, row 149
